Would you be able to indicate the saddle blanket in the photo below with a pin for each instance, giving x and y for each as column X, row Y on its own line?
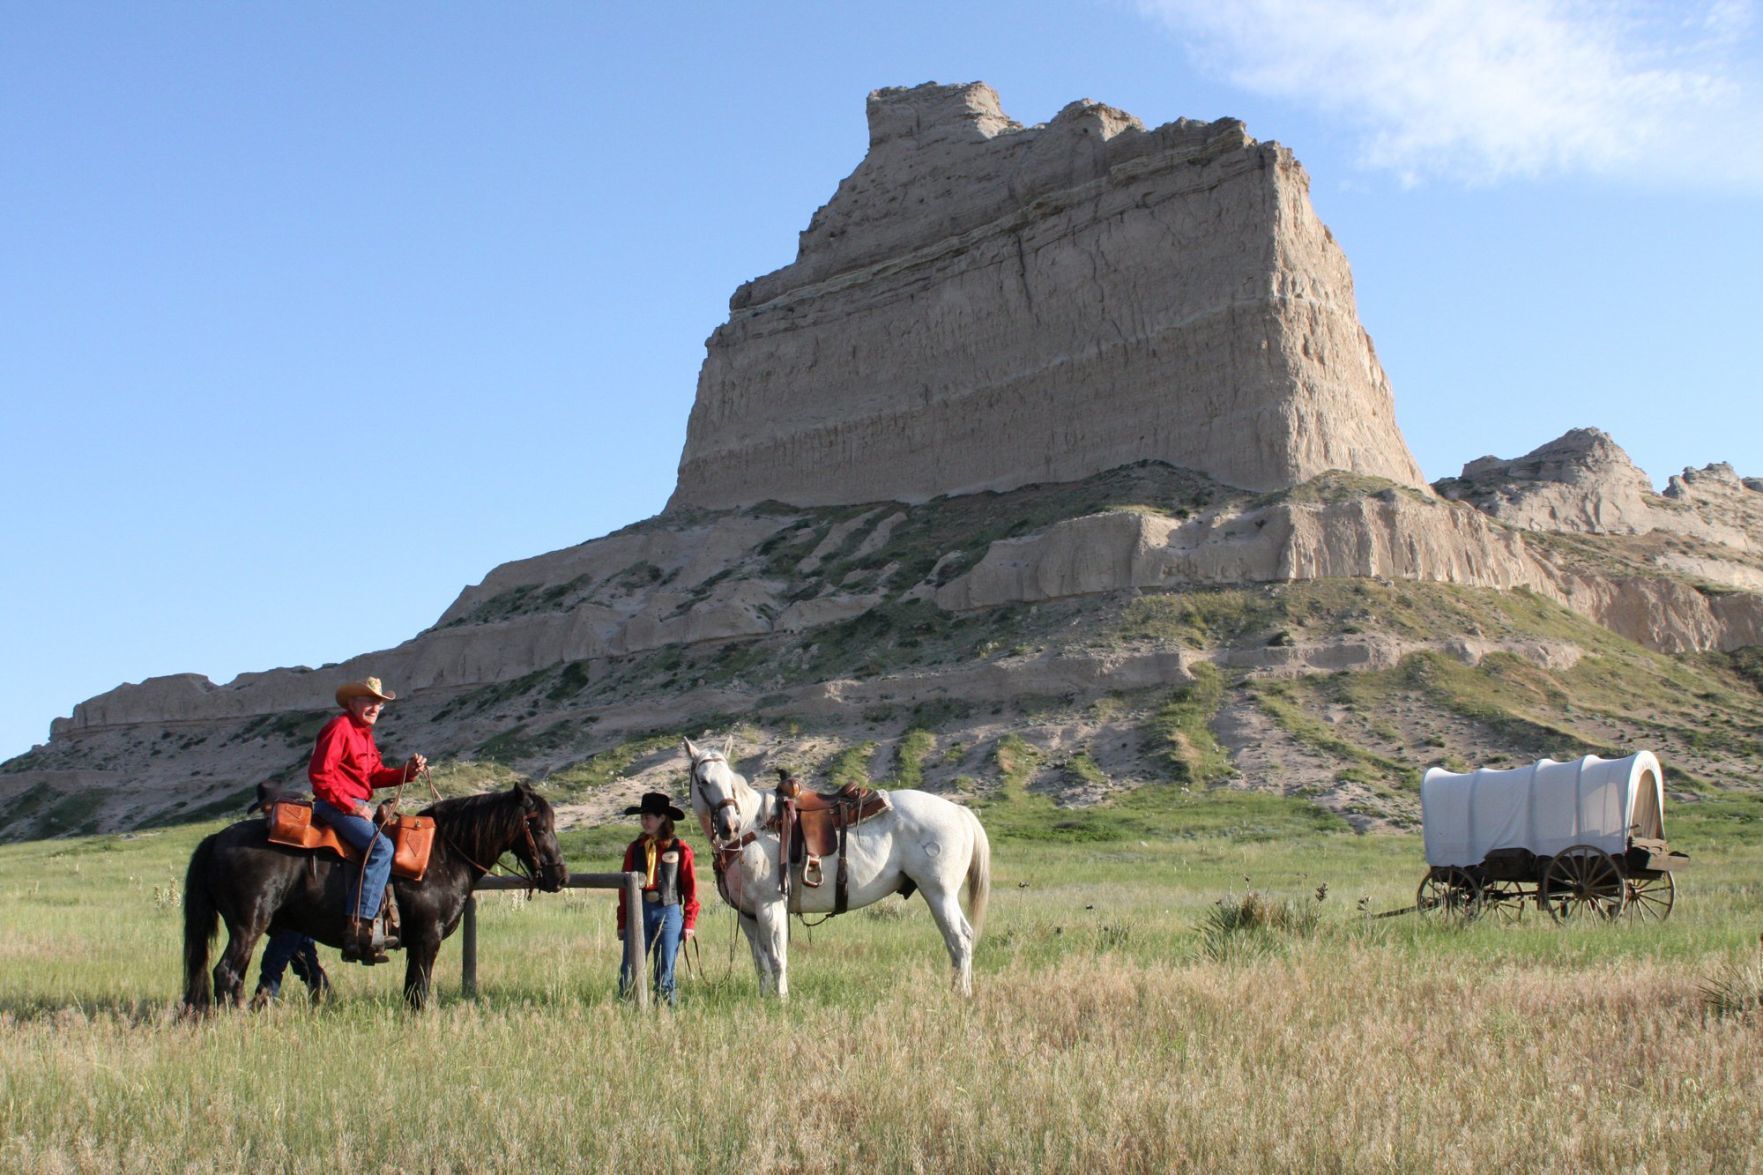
column 413, row 837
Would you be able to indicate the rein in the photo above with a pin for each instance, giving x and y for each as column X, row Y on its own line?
column 526, row 828
column 532, row 848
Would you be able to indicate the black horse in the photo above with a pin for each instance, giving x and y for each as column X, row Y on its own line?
column 238, row 877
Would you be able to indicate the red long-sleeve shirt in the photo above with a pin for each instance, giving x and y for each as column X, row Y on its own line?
column 688, row 880
column 346, row 766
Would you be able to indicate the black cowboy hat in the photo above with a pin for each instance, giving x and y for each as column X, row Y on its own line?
column 655, row 804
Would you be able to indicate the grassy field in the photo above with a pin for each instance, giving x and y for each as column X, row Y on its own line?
column 1117, row 1022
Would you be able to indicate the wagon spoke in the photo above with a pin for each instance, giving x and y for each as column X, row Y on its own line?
column 1449, row 895
column 1651, row 898
column 1584, row 877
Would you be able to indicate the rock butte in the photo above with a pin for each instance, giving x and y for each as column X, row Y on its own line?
column 982, row 305
column 1130, row 359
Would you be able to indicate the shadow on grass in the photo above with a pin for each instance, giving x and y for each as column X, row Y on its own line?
column 136, row 1012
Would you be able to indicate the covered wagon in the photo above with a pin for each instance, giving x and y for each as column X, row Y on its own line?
column 1586, row 837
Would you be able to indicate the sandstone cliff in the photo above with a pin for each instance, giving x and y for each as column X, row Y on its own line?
column 1059, row 437
column 983, row 305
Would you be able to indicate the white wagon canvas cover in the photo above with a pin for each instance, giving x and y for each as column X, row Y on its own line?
column 1545, row 807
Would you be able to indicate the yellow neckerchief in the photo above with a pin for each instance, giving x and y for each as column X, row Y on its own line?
column 649, row 849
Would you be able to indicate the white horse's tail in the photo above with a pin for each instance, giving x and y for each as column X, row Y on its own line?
column 979, row 876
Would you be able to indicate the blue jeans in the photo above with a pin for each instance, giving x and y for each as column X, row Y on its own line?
column 662, row 928
column 290, row 946
column 360, row 834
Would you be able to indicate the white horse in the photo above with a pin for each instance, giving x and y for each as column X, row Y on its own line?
column 923, row 841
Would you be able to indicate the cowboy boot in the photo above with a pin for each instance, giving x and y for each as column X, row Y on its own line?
column 373, row 946
column 361, row 944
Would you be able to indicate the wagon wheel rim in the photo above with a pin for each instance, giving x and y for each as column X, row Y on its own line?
column 1453, row 896
column 1503, row 902
column 1650, row 898
column 1586, row 878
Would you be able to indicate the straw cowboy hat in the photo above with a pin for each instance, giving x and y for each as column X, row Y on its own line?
column 366, row 688
column 655, row 804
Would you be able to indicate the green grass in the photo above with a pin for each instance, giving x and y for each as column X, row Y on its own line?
column 1086, row 770
column 1199, row 619
column 1747, row 663
column 1109, row 964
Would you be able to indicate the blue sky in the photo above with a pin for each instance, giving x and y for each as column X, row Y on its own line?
column 312, row 314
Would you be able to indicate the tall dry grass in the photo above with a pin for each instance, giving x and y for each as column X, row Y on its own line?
column 1102, row 1034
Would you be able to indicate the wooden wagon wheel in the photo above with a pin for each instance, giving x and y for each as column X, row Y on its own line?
column 1651, row 898
column 1451, row 895
column 1583, row 877
column 1504, row 901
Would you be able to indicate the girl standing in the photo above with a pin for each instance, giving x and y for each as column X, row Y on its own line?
column 670, row 890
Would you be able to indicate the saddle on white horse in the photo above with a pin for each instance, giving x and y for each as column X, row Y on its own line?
column 811, row 825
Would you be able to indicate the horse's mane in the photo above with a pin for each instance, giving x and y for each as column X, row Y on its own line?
column 481, row 826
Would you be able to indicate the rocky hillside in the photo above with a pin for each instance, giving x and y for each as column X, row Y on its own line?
column 1053, row 646
column 1056, row 469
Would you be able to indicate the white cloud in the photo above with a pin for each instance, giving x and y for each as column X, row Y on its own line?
column 1481, row 90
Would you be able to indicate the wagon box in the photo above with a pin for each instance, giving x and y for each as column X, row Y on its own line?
column 1588, row 834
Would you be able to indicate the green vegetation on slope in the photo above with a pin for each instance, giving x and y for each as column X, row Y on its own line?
column 1180, row 735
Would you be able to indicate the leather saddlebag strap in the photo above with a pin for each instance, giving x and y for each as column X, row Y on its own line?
column 840, row 896
column 787, row 836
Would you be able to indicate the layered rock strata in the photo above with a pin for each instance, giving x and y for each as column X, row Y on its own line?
column 773, row 614
column 675, row 582
column 984, row 305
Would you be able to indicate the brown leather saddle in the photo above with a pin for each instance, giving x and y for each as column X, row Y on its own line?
column 291, row 824
column 811, row 825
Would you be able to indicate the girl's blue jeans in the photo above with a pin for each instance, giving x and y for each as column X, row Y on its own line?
column 662, row 928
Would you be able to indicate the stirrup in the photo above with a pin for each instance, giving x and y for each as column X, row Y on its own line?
column 392, row 934
column 812, row 873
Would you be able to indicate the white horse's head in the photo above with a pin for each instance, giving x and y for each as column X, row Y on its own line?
column 724, row 804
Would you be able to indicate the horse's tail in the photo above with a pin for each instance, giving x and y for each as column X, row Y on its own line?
column 201, row 923
column 979, row 876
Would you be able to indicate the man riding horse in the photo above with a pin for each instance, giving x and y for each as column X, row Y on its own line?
column 345, row 769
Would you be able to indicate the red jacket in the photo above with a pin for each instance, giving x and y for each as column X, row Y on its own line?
column 346, row 767
column 634, row 860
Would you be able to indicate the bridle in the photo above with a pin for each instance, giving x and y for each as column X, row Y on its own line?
column 702, row 787
column 526, row 871
column 723, row 853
